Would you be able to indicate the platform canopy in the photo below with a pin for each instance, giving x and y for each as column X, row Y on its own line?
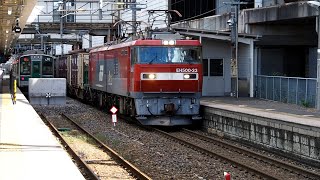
column 14, row 14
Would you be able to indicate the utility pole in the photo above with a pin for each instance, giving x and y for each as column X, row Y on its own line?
column 61, row 32
column 134, row 18
column 233, row 23
column 61, row 7
column 234, row 52
column 318, row 63
column 169, row 15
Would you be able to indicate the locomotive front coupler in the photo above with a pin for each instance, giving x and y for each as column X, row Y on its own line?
column 169, row 108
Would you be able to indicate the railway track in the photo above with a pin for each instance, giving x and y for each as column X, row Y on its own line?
column 88, row 173
column 135, row 172
column 262, row 166
column 170, row 160
column 284, row 165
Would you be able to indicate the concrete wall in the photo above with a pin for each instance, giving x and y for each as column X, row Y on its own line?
column 251, row 20
column 217, row 22
column 213, row 48
column 272, row 62
column 293, row 140
column 312, row 70
column 244, row 61
column 219, row 49
column 39, row 87
column 244, row 69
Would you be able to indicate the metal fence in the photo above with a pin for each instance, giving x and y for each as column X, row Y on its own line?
column 301, row 91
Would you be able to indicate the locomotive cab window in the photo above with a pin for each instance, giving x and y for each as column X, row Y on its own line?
column 165, row 55
column 25, row 66
column 47, row 66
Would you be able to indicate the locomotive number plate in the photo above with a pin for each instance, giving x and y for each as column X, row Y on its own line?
column 187, row 70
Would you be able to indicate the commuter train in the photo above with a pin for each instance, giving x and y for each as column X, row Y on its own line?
column 158, row 81
column 32, row 64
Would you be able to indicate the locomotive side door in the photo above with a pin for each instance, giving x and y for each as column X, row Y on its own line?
column 213, row 77
column 35, row 69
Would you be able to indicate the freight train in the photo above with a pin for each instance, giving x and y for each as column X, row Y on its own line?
column 75, row 67
column 158, row 80
column 32, row 64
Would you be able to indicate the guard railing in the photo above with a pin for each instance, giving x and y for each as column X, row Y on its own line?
column 296, row 90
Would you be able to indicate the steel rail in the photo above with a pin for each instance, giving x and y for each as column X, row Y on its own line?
column 211, row 153
column 89, row 173
column 117, row 157
column 285, row 165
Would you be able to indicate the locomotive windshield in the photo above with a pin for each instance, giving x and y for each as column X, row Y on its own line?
column 163, row 55
column 25, row 66
column 47, row 65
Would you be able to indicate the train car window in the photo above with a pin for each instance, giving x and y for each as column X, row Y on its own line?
column 164, row 54
column 47, row 66
column 25, row 66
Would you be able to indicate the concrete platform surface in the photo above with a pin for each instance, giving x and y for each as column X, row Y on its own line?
column 28, row 149
column 265, row 108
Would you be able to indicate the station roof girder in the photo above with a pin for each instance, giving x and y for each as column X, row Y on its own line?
column 50, row 27
column 10, row 11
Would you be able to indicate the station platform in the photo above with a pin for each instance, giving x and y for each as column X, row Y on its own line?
column 288, row 129
column 261, row 105
column 28, row 149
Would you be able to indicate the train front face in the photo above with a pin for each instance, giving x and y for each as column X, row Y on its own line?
column 35, row 66
column 167, row 82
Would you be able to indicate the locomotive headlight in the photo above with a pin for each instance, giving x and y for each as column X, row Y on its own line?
column 152, row 76
column 169, row 42
column 172, row 42
column 190, row 76
column 149, row 76
column 186, row 76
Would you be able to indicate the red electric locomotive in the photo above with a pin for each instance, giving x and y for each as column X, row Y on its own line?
column 158, row 80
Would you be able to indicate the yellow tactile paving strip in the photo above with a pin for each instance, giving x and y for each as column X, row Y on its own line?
column 28, row 150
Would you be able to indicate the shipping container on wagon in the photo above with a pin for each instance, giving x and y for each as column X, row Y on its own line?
column 78, row 62
column 61, row 67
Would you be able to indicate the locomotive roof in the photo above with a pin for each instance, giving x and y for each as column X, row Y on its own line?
column 36, row 55
column 141, row 42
